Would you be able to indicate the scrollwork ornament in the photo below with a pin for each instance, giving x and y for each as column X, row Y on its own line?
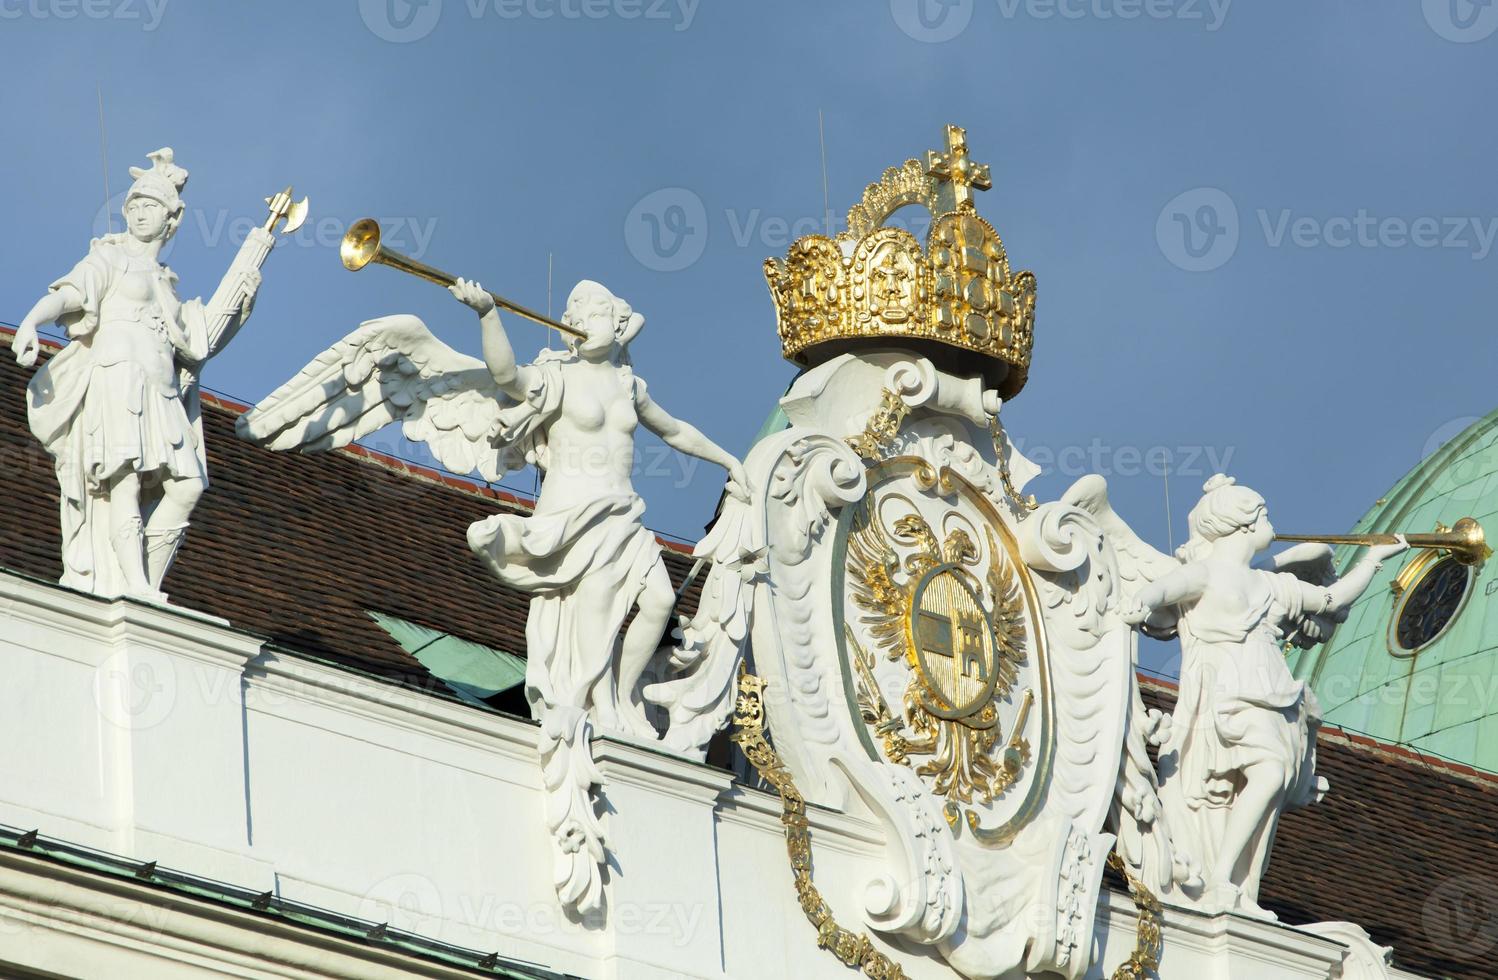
column 882, row 428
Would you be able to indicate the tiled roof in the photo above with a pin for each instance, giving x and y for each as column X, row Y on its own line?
column 1404, row 845
column 299, row 549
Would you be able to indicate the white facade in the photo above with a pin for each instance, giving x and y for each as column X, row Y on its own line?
column 164, row 736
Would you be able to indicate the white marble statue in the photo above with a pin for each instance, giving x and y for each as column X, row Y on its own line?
column 118, row 408
column 583, row 554
column 1240, row 748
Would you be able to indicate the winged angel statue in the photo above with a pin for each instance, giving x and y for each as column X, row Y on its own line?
column 583, row 554
column 1240, row 747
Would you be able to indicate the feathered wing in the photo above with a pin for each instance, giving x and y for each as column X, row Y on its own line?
column 392, row 369
column 700, row 691
column 1312, row 563
column 1008, row 616
column 1139, row 564
column 1136, row 816
column 873, row 586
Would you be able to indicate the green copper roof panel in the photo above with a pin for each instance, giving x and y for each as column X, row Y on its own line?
column 1443, row 697
column 472, row 670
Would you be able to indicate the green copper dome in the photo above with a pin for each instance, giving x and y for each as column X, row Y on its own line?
column 1419, row 666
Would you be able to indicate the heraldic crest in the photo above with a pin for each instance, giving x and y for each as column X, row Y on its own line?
column 945, row 602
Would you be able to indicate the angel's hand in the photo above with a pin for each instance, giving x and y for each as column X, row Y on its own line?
column 1134, row 612
column 472, row 295
column 1380, row 552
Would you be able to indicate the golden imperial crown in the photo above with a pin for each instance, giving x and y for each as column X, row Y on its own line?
column 874, row 282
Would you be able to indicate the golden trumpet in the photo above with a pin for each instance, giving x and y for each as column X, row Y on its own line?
column 361, row 246
column 1464, row 540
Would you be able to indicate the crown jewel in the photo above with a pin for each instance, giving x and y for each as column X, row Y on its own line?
column 874, row 282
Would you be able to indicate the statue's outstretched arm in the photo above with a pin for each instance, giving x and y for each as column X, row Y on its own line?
column 1186, row 582
column 1345, row 590
column 686, row 438
column 513, row 379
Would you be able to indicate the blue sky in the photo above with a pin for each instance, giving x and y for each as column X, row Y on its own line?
column 1263, row 232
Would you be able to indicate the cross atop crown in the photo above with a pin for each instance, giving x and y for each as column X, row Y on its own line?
column 955, row 172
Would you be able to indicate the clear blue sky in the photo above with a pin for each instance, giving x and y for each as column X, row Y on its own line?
column 1321, row 353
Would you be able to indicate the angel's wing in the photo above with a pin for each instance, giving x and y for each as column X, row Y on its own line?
column 388, row 370
column 1138, row 563
column 1310, row 562
column 699, row 695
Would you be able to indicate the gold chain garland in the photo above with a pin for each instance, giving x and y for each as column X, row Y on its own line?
column 856, row 949
column 996, row 431
column 1148, row 941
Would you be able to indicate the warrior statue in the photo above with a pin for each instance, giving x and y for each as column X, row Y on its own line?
column 583, row 554
column 1240, row 748
column 118, row 408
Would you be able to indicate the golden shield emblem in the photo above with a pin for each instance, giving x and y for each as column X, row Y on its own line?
column 950, row 641
column 942, row 648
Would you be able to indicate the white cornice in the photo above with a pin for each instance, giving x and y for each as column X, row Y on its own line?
column 52, row 610
column 80, row 921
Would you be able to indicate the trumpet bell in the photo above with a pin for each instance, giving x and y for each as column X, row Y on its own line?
column 1472, row 544
column 360, row 245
